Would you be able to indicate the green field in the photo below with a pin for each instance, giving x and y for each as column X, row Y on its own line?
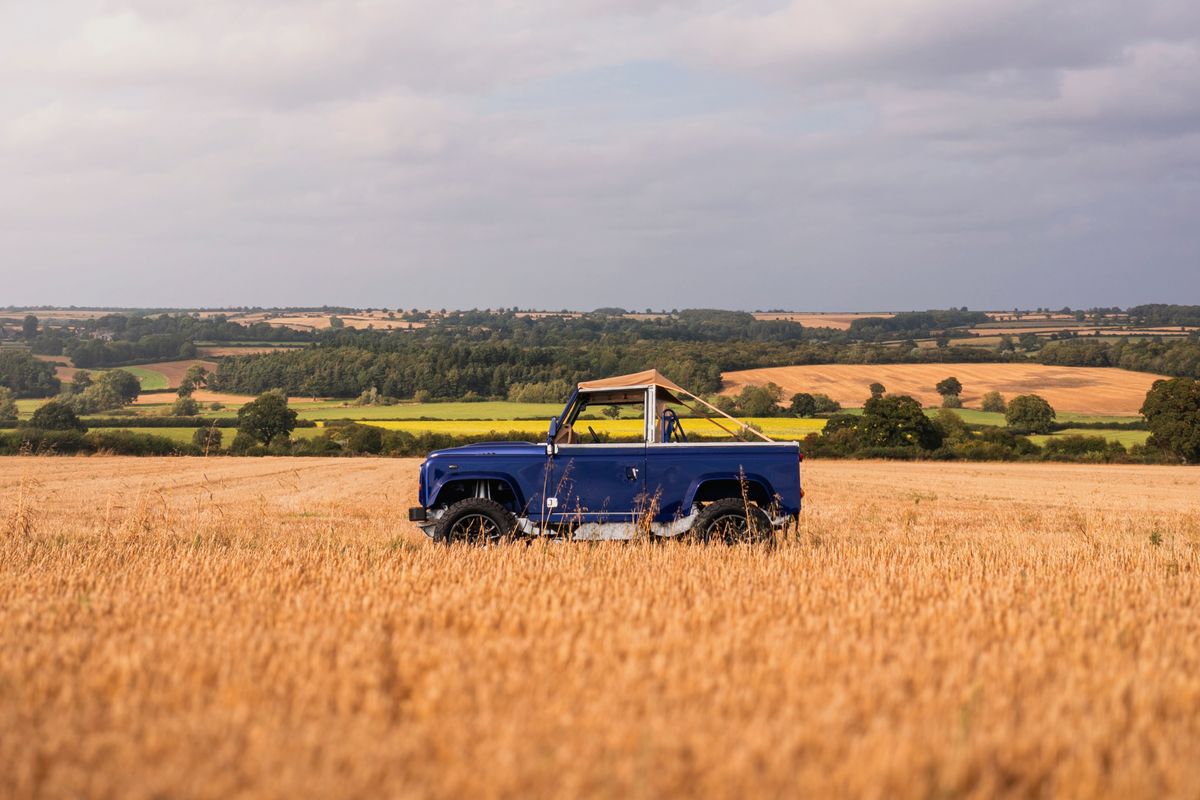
column 27, row 407
column 149, row 379
column 1127, row 438
column 339, row 409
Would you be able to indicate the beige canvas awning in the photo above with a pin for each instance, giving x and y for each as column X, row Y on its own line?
column 638, row 380
column 665, row 390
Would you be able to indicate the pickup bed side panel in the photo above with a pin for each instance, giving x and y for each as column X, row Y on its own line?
column 674, row 471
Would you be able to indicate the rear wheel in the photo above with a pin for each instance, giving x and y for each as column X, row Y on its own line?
column 732, row 521
column 475, row 521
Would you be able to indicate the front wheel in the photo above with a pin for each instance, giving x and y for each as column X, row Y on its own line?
column 732, row 521
column 475, row 521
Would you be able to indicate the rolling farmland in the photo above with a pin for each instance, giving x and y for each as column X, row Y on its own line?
column 1087, row 390
column 273, row 627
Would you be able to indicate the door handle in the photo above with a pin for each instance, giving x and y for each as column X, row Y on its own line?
column 631, row 473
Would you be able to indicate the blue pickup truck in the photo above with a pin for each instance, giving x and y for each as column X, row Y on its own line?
column 579, row 485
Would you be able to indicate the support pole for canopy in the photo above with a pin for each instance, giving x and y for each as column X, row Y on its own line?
column 744, row 426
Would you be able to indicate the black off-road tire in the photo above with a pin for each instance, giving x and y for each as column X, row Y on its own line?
column 732, row 521
column 475, row 521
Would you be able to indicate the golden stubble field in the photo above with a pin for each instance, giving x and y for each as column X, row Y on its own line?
column 271, row 628
column 1088, row 390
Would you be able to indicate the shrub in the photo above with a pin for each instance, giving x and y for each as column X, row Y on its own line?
column 365, row 439
column 185, row 406
column 317, row 446
column 951, row 401
column 1009, row 440
column 1078, row 445
column 826, row 404
column 57, row 415
column 208, row 440
column 993, row 402
column 952, row 426
column 246, row 444
column 1030, row 412
column 8, row 405
column 979, row 450
column 897, row 421
column 759, row 401
column 41, row 441
column 803, row 404
column 128, row 443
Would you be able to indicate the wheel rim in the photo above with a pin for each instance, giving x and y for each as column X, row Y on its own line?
column 734, row 527
column 475, row 528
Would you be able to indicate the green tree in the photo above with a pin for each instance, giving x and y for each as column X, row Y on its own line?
column 759, row 401
column 112, row 389
column 208, row 439
column 877, row 389
column 336, row 323
column 826, row 404
column 185, row 406
column 952, row 426
column 124, row 384
column 56, row 416
column 8, row 405
column 897, row 421
column 365, row 439
column 994, row 402
column 243, row 443
column 1172, row 411
column 26, row 375
column 1030, row 412
column 949, row 386
column 612, row 412
column 195, row 378
column 266, row 417
column 29, row 326
column 803, row 404
column 81, row 380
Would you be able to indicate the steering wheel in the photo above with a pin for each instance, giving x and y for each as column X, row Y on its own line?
column 595, row 436
column 672, row 427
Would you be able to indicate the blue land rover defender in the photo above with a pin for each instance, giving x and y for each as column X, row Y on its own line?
column 579, row 485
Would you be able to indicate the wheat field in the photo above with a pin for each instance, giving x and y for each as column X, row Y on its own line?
column 271, row 628
column 1087, row 390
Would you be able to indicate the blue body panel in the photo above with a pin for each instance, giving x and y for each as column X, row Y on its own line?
column 617, row 483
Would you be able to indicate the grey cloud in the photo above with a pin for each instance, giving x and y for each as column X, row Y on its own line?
column 990, row 153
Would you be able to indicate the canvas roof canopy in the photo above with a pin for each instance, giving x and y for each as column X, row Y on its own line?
column 636, row 380
column 664, row 389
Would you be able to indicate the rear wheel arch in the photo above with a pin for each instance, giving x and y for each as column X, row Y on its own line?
column 752, row 488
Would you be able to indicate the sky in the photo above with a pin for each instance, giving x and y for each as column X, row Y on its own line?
column 809, row 155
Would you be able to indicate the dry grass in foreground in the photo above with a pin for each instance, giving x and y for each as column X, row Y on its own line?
column 270, row 628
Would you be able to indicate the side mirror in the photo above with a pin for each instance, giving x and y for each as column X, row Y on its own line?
column 553, row 430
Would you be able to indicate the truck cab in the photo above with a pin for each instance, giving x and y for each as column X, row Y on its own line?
column 652, row 474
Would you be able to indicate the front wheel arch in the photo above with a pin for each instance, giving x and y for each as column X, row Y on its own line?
column 461, row 487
